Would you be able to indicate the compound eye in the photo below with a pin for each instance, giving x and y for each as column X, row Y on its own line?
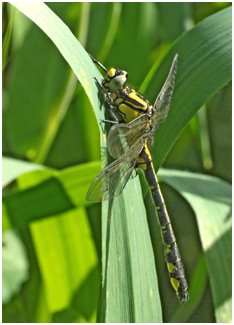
column 118, row 81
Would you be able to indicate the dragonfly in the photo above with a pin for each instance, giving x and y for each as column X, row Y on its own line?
column 130, row 142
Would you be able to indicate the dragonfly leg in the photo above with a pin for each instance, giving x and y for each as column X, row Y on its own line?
column 112, row 114
column 110, row 121
column 98, row 63
column 110, row 100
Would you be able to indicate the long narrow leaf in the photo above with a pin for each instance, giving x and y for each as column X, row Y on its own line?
column 204, row 67
column 210, row 199
column 130, row 289
column 62, row 246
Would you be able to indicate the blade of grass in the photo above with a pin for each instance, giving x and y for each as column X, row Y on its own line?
column 130, row 289
column 204, row 67
column 210, row 199
column 66, row 254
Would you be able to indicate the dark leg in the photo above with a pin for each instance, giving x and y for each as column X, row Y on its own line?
column 98, row 63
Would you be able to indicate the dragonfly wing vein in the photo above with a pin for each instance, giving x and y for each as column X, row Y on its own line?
column 122, row 136
column 162, row 102
column 112, row 180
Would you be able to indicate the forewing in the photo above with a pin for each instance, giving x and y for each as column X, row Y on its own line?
column 124, row 135
column 151, row 136
column 112, row 180
column 162, row 103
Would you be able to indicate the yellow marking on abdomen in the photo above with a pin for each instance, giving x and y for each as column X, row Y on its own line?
column 142, row 163
column 171, row 267
column 148, row 152
column 143, row 166
column 168, row 249
column 175, row 283
column 140, row 160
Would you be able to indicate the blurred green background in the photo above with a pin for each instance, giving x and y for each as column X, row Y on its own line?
column 48, row 120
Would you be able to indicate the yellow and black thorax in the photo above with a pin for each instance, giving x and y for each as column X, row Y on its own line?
column 126, row 102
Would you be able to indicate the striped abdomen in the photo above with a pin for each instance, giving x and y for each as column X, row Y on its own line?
column 173, row 259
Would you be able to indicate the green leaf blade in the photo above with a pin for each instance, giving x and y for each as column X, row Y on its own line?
column 130, row 276
column 58, row 242
column 210, row 199
column 204, row 67
column 13, row 168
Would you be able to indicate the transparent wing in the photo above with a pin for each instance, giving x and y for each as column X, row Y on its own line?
column 112, row 180
column 123, row 136
column 163, row 101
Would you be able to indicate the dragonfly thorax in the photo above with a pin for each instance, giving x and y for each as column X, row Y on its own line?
column 114, row 80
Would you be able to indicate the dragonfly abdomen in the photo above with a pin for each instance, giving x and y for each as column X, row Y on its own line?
column 172, row 255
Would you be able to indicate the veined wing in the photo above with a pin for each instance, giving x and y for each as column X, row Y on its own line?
column 112, row 180
column 163, row 101
column 123, row 136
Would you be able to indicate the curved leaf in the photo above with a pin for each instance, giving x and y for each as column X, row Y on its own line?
column 59, row 191
column 210, row 199
column 204, row 67
column 130, row 288
column 14, row 168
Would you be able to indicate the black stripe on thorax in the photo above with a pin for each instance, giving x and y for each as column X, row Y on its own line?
column 134, row 103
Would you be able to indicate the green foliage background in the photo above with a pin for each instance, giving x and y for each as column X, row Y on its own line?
column 52, row 237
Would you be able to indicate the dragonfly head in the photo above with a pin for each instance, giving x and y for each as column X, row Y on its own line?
column 114, row 80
